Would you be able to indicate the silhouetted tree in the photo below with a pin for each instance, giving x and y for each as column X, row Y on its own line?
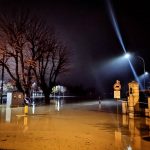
column 33, row 52
column 12, row 36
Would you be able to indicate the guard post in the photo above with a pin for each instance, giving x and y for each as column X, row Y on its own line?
column 26, row 103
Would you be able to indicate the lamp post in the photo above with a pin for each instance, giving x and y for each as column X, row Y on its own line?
column 143, row 68
column 127, row 55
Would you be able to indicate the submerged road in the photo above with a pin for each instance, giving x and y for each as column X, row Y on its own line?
column 76, row 126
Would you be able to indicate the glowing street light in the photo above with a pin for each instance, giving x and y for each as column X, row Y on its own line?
column 127, row 55
column 146, row 73
column 143, row 68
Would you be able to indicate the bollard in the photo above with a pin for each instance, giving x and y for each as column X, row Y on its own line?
column 26, row 109
column 26, row 102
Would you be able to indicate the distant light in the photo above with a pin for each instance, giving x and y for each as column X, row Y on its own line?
column 146, row 73
column 127, row 55
column 129, row 148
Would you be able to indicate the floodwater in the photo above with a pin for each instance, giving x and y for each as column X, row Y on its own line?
column 80, row 126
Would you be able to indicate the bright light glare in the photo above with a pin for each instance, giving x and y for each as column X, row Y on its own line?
column 146, row 73
column 114, row 65
column 127, row 55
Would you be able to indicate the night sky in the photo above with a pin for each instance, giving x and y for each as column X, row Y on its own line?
column 85, row 26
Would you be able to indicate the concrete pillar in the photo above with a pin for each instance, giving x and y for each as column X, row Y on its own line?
column 133, row 99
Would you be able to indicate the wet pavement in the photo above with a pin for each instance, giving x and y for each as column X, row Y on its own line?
column 81, row 126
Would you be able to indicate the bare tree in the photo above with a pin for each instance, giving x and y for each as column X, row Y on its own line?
column 33, row 52
column 12, row 36
column 49, row 55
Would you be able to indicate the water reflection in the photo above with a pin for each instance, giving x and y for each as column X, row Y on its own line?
column 25, row 123
column 118, row 142
column 58, row 103
column 8, row 114
column 138, row 128
column 33, row 107
column 126, row 133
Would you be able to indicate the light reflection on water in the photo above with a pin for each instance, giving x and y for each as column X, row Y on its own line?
column 8, row 114
column 128, row 133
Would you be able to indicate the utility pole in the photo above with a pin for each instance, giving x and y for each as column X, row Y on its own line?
column 143, row 69
column 2, row 78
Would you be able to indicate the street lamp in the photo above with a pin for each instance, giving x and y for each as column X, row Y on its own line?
column 127, row 55
column 146, row 75
column 143, row 68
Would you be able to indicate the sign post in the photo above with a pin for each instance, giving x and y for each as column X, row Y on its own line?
column 117, row 88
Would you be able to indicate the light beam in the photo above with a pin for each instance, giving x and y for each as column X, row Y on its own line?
column 117, row 31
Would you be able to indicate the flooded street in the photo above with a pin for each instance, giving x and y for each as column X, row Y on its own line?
column 81, row 126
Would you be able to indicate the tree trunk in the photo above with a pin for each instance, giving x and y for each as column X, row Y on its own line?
column 27, row 92
column 19, row 87
column 46, row 93
column 47, row 98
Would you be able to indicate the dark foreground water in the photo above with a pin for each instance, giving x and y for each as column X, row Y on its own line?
column 75, row 126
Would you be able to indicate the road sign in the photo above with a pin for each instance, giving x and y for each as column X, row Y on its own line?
column 117, row 86
column 116, row 94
